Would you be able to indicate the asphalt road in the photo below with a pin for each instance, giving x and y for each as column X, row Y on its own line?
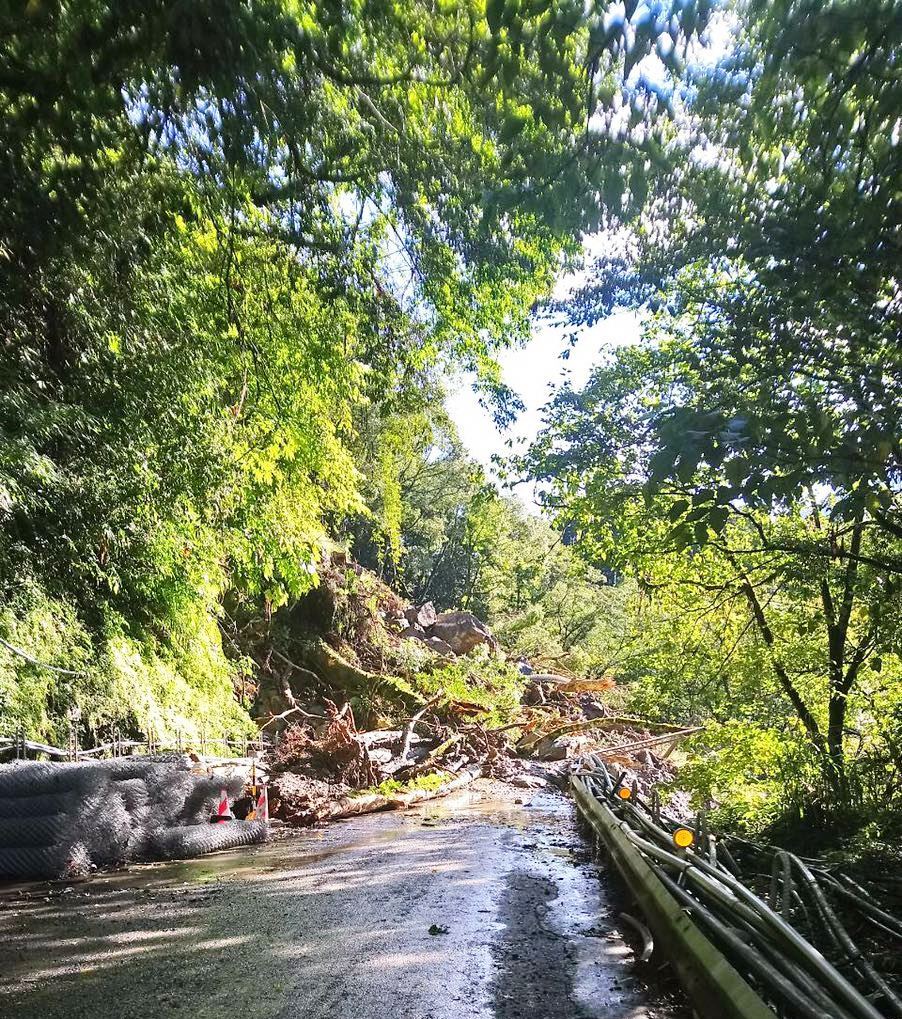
column 478, row 909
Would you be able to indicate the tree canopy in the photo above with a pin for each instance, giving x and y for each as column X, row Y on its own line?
column 232, row 233
column 744, row 458
column 767, row 258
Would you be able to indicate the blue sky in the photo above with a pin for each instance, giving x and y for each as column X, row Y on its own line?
column 535, row 372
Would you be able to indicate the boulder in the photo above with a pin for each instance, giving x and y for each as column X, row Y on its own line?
column 462, row 631
column 647, row 758
column 413, row 630
column 423, row 616
column 528, row 782
column 439, row 646
column 556, row 751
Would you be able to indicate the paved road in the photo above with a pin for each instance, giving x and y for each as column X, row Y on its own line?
column 486, row 909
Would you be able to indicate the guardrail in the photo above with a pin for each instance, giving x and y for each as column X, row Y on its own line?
column 715, row 988
column 735, row 955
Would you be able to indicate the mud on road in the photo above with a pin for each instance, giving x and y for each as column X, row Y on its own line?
column 482, row 907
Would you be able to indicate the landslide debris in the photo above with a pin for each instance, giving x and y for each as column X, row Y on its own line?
column 369, row 703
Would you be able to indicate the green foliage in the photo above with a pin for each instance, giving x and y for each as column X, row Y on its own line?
column 463, row 545
column 228, row 234
column 180, row 689
column 754, row 776
column 777, row 619
column 391, row 786
column 743, row 462
column 765, row 260
column 479, row 679
column 445, row 516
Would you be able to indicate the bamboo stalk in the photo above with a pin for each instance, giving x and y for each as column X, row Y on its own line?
column 782, row 955
column 787, row 989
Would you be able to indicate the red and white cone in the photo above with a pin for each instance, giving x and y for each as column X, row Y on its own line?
column 261, row 811
column 223, row 813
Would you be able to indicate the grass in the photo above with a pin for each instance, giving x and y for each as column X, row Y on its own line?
column 391, row 787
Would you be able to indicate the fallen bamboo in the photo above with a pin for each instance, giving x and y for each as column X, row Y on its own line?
column 614, row 722
column 842, row 938
column 783, row 964
column 889, row 922
column 743, row 951
column 648, row 942
column 650, row 742
column 716, row 989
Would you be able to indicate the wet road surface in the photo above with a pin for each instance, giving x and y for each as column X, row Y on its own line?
column 478, row 909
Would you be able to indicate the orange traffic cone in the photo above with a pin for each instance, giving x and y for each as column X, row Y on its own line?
column 222, row 811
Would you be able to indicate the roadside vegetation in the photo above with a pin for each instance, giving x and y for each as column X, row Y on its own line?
column 241, row 250
column 743, row 462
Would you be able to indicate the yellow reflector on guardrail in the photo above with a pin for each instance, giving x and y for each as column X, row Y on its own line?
column 683, row 838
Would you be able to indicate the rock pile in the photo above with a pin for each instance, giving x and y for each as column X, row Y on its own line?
column 447, row 633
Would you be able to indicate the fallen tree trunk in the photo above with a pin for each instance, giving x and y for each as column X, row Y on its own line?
column 340, row 674
column 463, row 779
column 351, row 805
column 529, row 742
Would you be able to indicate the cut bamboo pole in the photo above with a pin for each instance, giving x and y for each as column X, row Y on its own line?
column 716, row 989
column 763, row 943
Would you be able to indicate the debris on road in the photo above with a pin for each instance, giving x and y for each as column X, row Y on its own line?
column 332, row 770
column 793, row 930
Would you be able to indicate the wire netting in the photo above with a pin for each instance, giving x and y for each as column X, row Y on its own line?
column 199, row 839
column 63, row 820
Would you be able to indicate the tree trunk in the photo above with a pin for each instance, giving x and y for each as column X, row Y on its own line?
column 841, row 678
column 802, row 710
column 835, row 763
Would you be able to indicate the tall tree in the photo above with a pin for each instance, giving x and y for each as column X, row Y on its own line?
column 767, row 257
